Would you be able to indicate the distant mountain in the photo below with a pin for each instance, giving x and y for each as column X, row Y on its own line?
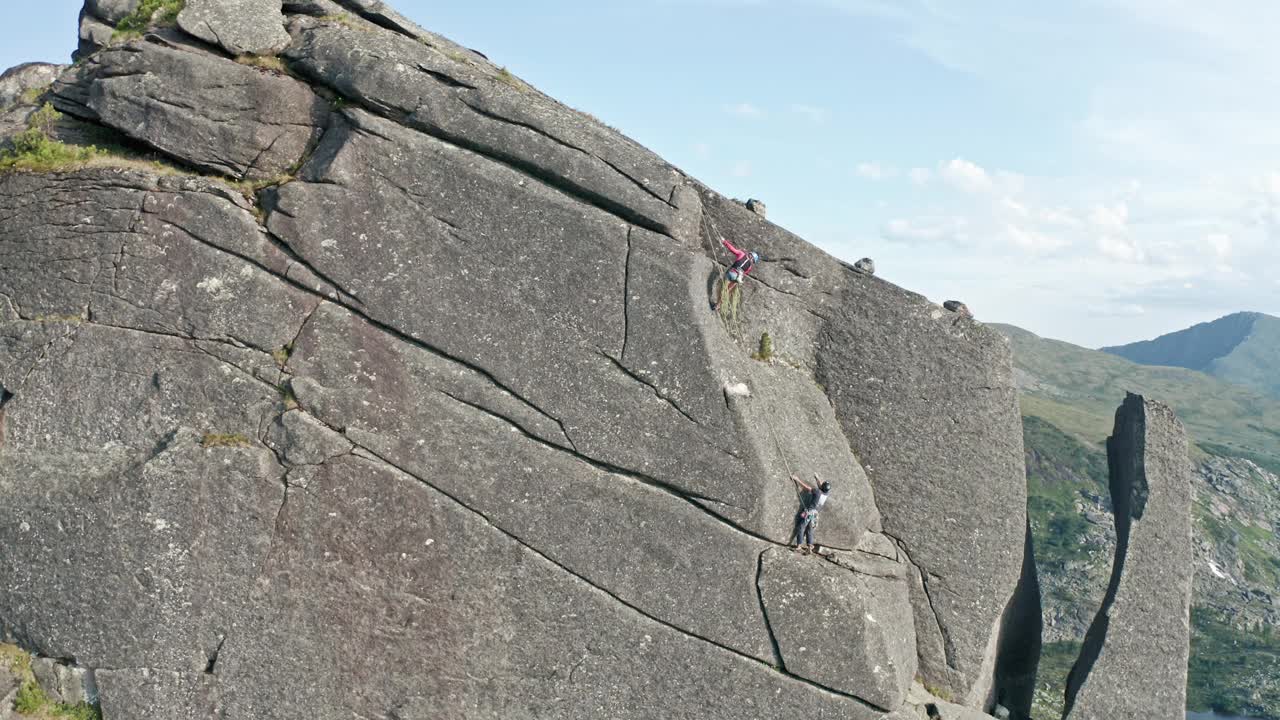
column 1068, row 395
column 1242, row 349
column 1077, row 389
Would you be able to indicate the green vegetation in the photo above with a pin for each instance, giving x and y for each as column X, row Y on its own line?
column 32, row 701
column 729, row 306
column 1251, row 659
column 505, row 77
column 35, row 150
column 1263, row 461
column 938, row 692
column 1056, row 659
column 31, row 96
column 1078, row 390
column 1068, row 401
column 1059, row 469
column 286, row 395
column 765, row 353
column 231, row 440
column 266, row 62
column 345, row 20
column 148, row 13
column 1239, row 349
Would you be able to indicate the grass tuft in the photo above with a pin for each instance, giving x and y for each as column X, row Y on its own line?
column 505, row 77
column 228, row 440
column 288, row 398
column 765, row 353
column 32, row 701
column 149, row 13
column 31, row 96
column 346, row 20
column 34, row 150
column 265, row 62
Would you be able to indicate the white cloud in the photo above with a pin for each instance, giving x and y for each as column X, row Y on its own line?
column 1030, row 239
column 1116, row 310
column 874, row 171
column 920, row 176
column 1219, row 244
column 1119, row 248
column 815, row 115
column 964, row 175
column 1110, row 219
column 744, row 109
column 916, row 231
column 742, row 169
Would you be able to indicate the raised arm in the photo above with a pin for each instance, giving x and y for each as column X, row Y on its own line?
column 801, row 483
column 737, row 254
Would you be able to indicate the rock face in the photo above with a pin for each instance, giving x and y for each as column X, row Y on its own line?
column 950, row 509
column 846, row 625
column 1134, row 660
column 30, row 76
column 212, row 113
column 253, row 27
column 439, row 394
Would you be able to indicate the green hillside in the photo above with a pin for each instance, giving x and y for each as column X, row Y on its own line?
column 1240, row 349
column 1078, row 390
column 1069, row 395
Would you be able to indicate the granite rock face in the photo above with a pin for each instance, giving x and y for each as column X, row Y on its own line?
column 1133, row 663
column 440, row 390
column 845, row 624
column 953, row 511
column 212, row 113
column 20, row 79
column 253, row 27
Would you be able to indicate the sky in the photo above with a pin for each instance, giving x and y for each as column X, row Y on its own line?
column 1097, row 171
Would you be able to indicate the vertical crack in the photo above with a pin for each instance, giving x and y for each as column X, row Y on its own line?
column 626, row 296
column 211, row 667
column 764, row 612
column 948, row 650
column 5, row 397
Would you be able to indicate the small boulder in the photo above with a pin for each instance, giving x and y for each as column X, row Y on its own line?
column 756, row 207
column 110, row 11
column 241, row 27
column 20, row 78
column 957, row 307
column 63, row 683
column 866, row 266
column 94, row 35
column 9, row 682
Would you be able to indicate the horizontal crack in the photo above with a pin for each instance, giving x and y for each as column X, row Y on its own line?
column 638, row 378
column 371, row 455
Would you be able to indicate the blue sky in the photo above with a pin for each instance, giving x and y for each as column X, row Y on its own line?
column 1099, row 171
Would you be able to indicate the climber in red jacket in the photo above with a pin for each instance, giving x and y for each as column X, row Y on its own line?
column 743, row 262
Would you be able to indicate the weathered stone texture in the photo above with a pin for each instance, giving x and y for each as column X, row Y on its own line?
column 1134, row 660
column 849, row 630
column 903, row 373
column 20, row 78
column 111, row 11
column 474, row 105
column 254, row 27
column 209, row 112
column 440, row 424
